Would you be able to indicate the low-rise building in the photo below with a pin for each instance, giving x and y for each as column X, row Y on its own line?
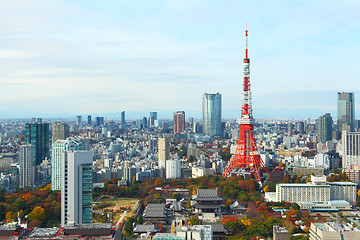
column 333, row 231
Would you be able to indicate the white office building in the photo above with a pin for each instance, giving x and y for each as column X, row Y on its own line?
column 173, row 169
column 329, row 194
column 76, row 188
column 26, row 166
column 350, row 148
column 58, row 147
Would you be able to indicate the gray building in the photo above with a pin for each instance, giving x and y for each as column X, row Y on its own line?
column 76, row 188
column 346, row 111
column 324, row 128
column 26, row 166
column 212, row 114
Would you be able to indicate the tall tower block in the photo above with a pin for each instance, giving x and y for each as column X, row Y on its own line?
column 246, row 154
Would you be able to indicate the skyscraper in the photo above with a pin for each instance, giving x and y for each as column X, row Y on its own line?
column 164, row 151
column 79, row 121
column 123, row 122
column 99, row 121
column 324, row 128
column 58, row 148
column 37, row 134
column 60, row 131
column 346, row 111
column 179, row 122
column 152, row 119
column 144, row 122
column 153, row 115
column 76, row 188
column 212, row 114
column 89, row 120
column 26, row 166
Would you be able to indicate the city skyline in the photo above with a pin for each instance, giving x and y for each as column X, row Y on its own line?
column 106, row 57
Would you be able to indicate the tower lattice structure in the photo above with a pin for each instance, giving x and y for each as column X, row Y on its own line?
column 246, row 154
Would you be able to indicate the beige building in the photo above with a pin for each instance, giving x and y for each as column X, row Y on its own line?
column 60, row 131
column 353, row 173
column 164, row 151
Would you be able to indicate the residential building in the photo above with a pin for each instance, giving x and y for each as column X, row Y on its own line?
column 60, row 131
column 164, row 151
column 179, row 122
column 37, row 134
column 353, row 173
column 26, row 162
column 346, row 111
column 173, row 169
column 58, row 148
column 76, row 188
column 212, row 114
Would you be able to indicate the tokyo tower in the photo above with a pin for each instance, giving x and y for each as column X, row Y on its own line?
column 246, row 154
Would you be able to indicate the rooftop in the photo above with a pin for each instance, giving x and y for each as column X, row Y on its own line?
column 208, row 195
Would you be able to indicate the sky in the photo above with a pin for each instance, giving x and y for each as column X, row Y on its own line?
column 79, row 57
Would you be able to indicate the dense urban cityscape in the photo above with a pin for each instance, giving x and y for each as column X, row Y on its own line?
column 180, row 177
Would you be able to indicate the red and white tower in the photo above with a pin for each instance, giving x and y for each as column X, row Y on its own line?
column 246, row 154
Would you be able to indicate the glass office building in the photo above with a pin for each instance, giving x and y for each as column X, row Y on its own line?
column 37, row 134
column 346, row 111
column 212, row 114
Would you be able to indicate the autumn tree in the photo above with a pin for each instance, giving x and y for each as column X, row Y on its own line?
column 37, row 213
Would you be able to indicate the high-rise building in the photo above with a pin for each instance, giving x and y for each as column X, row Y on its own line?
column 164, row 151
column 179, row 122
column 89, row 120
column 99, row 121
column 212, row 114
column 123, row 121
column 300, row 127
column 323, row 128
column 60, row 131
column 37, row 134
column 144, row 122
column 173, row 169
column 154, row 115
column 26, row 166
column 346, row 111
column 76, row 188
column 350, row 148
column 152, row 118
column 58, row 148
column 79, row 121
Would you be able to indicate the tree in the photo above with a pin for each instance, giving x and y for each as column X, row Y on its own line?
column 37, row 213
column 295, row 206
column 8, row 216
column 266, row 188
